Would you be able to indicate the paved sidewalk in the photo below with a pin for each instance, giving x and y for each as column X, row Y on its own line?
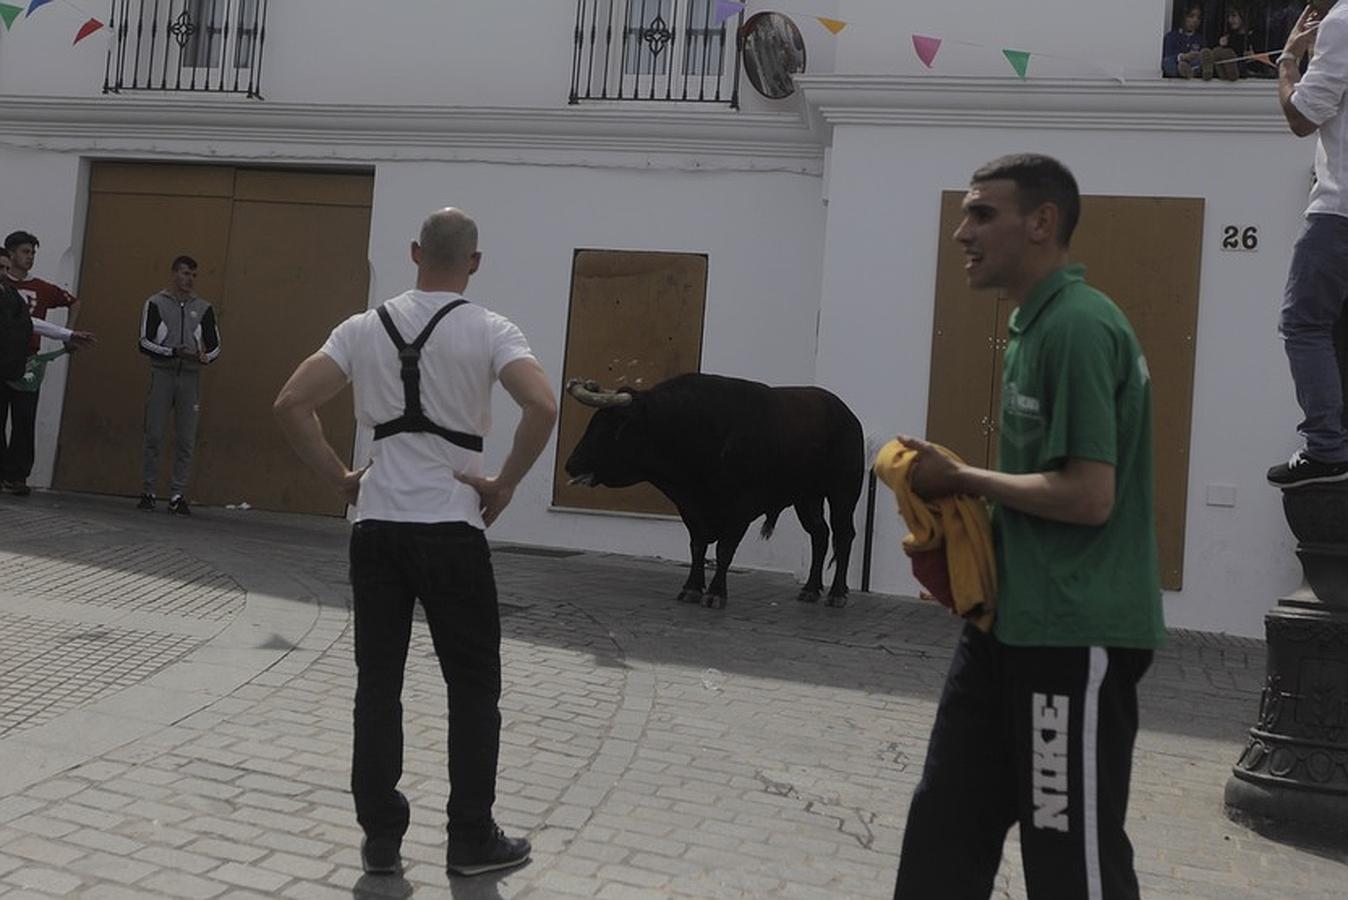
column 175, row 722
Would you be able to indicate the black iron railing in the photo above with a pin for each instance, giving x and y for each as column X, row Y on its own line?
column 186, row 45
column 670, row 50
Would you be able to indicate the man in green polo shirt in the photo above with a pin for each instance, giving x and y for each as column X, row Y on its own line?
column 1037, row 720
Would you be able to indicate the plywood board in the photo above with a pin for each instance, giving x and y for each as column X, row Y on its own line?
column 1146, row 254
column 635, row 319
column 130, row 241
column 280, row 274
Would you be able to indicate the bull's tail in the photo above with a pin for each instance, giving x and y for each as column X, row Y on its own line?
column 769, row 524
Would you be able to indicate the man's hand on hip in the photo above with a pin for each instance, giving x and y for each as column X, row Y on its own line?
column 494, row 494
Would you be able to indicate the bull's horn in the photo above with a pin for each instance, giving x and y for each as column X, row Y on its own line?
column 590, row 394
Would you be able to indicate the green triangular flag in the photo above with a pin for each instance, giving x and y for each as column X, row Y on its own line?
column 1019, row 60
column 9, row 13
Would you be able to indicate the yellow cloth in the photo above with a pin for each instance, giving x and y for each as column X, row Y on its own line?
column 958, row 524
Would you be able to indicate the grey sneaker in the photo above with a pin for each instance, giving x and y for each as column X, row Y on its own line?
column 490, row 855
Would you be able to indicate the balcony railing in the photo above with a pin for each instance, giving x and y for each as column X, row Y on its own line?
column 186, row 45
column 665, row 50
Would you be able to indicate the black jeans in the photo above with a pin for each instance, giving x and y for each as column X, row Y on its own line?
column 447, row 566
column 18, row 409
column 1039, row 736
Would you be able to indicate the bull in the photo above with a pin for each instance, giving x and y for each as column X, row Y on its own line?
column 726, row 451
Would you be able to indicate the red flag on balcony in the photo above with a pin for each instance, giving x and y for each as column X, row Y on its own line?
column 87, row 29
column 36, row 4
column 9, row 13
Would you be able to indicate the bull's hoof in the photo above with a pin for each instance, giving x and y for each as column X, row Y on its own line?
column 687, row 595
column 837, row 601
column 712, row 601
column 807, row 595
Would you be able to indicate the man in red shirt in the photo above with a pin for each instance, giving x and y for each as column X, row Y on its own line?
column 20, row 408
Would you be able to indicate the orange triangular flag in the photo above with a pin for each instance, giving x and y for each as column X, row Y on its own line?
column 833, row 25
column 1264, row 58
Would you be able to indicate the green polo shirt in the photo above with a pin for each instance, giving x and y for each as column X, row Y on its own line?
column 1075, row 385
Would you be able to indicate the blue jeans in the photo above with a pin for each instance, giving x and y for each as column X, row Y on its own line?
column 1317, row 287
column 447, row 566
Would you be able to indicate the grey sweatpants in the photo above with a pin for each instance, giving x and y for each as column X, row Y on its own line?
column 175, row 392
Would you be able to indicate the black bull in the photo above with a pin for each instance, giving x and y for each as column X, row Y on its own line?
column 726, row 451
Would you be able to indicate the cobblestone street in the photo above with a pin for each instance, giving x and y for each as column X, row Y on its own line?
column 175, row 722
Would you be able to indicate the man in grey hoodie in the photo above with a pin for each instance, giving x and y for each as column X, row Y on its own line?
column 179, row 334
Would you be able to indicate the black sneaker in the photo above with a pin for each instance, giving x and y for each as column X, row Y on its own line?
column 146, row 502
column 18, row 488
column 380, row 857
column 490, row 855
column 1301, row 469
column 178, row 506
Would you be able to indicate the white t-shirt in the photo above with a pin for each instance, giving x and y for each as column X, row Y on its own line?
column 412, row 478
column 1319, row 96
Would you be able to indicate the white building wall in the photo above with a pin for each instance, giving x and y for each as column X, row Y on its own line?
column 879, row 286
column 516, row 53
column 763, row 234
column 1066, row 38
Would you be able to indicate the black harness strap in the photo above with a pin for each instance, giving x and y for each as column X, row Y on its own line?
column 413, row 419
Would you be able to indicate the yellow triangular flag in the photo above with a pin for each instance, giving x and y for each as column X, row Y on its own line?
column 833, row 25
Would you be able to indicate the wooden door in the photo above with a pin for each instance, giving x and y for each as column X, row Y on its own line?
column 1146, row 254
column 297, row 266
column 139, row 219
column 635, row 320
column 283, row 260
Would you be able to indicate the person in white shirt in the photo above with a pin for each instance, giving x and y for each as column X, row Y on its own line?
column 422, row 366
column 1317, row 283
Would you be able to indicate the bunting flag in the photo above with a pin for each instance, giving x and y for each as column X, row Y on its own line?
column 36, row 4
column 833, row 25
column 927, row 48
column 1265, row 58
column 8, row 14
column 725, row 9
column 1019, row 60
column 87, row 29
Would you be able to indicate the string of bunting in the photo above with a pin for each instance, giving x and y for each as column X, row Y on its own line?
column 924, row 45
column 928, row 46
column 9, row 14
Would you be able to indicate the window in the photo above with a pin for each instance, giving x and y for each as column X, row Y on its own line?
column 654, row 50
column 652, row 38
column 224, row 30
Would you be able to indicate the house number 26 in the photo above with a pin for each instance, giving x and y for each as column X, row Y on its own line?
column 1240, row 237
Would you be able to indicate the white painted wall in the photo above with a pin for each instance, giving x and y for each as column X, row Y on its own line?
column 1067, row 38
column 44, row 193
column 516, row 53
column 763, row 233
column 879, row 281
column 764, row 237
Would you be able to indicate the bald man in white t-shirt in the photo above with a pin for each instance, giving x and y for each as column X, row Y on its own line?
column 422, row 366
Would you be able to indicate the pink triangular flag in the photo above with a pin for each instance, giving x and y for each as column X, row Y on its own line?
column 927, row 48
column 725, row 9
column 87, row 29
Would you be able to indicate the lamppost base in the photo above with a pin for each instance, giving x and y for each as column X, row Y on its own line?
column 1287, row 812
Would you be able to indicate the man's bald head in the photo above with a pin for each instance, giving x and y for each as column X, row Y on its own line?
column 448, row 240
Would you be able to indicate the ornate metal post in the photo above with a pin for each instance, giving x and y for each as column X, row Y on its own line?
column 1292, row 778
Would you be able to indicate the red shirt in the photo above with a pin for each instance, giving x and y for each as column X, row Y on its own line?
column 41, row 296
